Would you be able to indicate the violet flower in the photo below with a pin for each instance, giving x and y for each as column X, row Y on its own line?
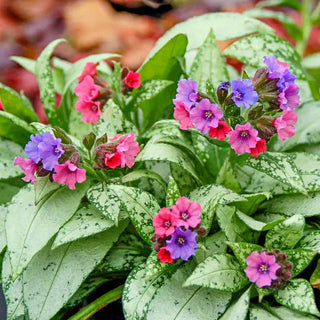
column 243, row 93
column 187, row 92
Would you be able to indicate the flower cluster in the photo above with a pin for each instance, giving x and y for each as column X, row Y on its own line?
column 269, row 269
column 119, row 152
column 176, row 230
column 93, row 91
column 250, row 114
column 47, row 156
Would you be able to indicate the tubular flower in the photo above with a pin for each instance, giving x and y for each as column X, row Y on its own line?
column 132, row 80
column 164, row 223
column 220, row 132
column 187, row 92
column 285, row 124
column 90, row 69
column 182, row 114
column 243, row 93
column 29, row 168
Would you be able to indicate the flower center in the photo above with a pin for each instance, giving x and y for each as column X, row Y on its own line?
column 94, row 108
column 167, row 224
column 194, row 96
column 238, row 95
column 184, row 215
column 244, row 134
column 263, row 268
column 57, row 151
column 181, row 241
column 208, row 115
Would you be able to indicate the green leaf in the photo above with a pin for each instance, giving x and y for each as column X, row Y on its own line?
column 8, row 151
column 251, row 50
column 105, row 200
column 294, row 4
column 285, row 314
column 209, row 197
column 298, row 295
column 257, row 313
column 279, row 166
column 15, row 129
column 197, row 28
column 300, row 258
column 17, row 104
column 51, row 270
column 252, row 202
column 12, row 292
column 239, row 308
column 85, row 222
column 46, row 83
column 28, row 64
column 222, row 272
column 289, row 24
column 7, row 191
column 141, row 207
column 315, row 277
column 144, row 300
column 173, row 192
column 312, row 64
column 29, row 227
column 163, row 65
column 286, row 234
column 42, row 188
column 311, row 241
column 242, row 250
column 209, row 64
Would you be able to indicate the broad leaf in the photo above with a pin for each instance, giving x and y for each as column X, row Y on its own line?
column 173, row 192
column 300, row 259
column 294, row 4
column 311, row 241
column 29, row 227
column 257, row 313
column 43, row 187
column 286, row 234
column 298, row 295
column 252, row 202
column 222, row 272
column 25, row 63
column 315, row 277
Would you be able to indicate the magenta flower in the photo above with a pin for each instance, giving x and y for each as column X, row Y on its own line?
column 262, row 268
column 243, row 138
column 112, row 160
column 87, row 89
column 29, row 168
column 279, row 70
column 182, row 244
column 164, row 223
column 243, row 93
column 182, row 114
column 186, row 212
column 285, row 124
column 132, row 80
column 68, row 173
column 289, row 98
column 46, row 148
column 206, row 115
column 91, row 110
column 187, row 92
column 128, row 149
column 90, row 69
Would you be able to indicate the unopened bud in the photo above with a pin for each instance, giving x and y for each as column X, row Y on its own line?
column 41, row 172
column 59, row 133
column 102, row 139
column 282, row 257
column 265, row 127
column 222, row 91
column 68, row 148
column 201, row 232
column 101, row 152
column 75, row 158
column 289, row 265
column 259, row 78
column 89, row 140
column 255, row 113
column 286, row 274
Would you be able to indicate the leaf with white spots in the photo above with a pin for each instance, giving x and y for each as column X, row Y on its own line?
column 173, row 192
column 315, row 277
column 300, row 259
column 221, row 271
column 298, row 295
column 286, row 234
column 257, row 313
column 310, row 241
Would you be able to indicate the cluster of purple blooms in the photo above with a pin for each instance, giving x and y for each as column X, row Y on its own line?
column 264, row 106
column 176, row 231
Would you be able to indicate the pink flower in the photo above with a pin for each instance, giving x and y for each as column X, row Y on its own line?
column 29, row 168
column 285, row 124
column 262, row 268
column 164, row 222
column 90, row 69
column 259, row 148
column 220, row 132
column 87, row 89
column 289, row 98
column 181, row 113
column 112, row 160
column 68, row 173
column 164, row 255
column 1, row 106
column 187, row 213
column 205, row 115
column 91, row 110
column 128, row 149
column 132, row 80
column 243, row 138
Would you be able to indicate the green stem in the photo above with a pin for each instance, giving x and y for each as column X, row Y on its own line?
column 306, row 27
column 95, row 306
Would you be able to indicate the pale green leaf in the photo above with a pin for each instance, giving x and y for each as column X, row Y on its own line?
column 173, row 192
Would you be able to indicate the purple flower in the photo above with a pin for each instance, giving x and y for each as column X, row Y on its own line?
column 225, row 85
column 243, row 93
column 46, row 148
column 279, row 70
column 262, row 268
column 182, row 244
column 243, row 138
column 187, row 92
column 289, row 98
column 206, row 115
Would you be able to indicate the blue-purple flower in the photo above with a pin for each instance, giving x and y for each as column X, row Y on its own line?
column 279, row 70
column 187, row 92
column 182, row 244
column 44, row 147
column 206, row 115
column 243, row 93
column 225, row 85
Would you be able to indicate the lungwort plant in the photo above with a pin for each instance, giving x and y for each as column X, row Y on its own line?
column 194, row 185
